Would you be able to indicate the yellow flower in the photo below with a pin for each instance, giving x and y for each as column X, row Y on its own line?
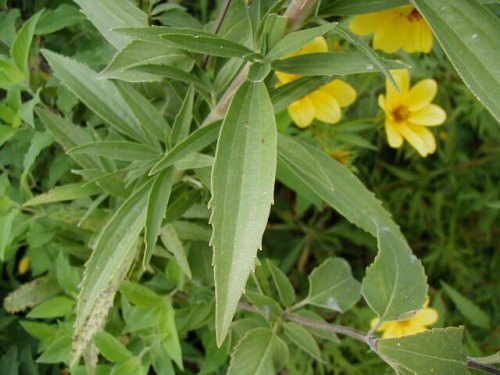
column 399, row 328
column 323, row 103
column 24, row 265
column 396, row 28
column 409, row 112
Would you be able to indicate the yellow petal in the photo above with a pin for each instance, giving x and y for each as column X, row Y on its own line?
column 368, row 23
column 286, row 78
column 419, row 137
column 391, row 36
column 394, row 137
column 423, row 37
column 327, row 108
column 316, row 46
column 426, row 317
column 394, row 97
column 393, row 330
column 421, row 94
column 302, row 112
column 374, row 322
column 24, row 265
column 343, row 92
column 381, row 102
column 430, row 115
column 412, row 329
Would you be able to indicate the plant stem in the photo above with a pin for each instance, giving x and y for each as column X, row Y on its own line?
column 471, row 363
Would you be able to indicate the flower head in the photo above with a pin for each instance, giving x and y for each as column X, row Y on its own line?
column 394, row 29
column 323, row 103
column 399, row 328
column 409, row 112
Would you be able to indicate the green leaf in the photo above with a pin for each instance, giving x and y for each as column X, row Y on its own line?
column 400, row 270
column 168, row 331
column 349, row 7
column 21, row 46
column 64, row 193
column 194, row 161
column 395, row 283
column 157, row 207
column 330, row 64
column 467, row 308
column 100, row 96
column 6, row 220
column 298, row 39
column 31, row 294
column 438, row 351
column 56, row 19
column 489, row 360
column 332, row 286
column 259, row 352
column 173, row 244
column 196, row 141
column 466, row 30
column 140, row 295
column 53, row 308
column 111, row 348
column 39, row 142
column 267, row 307
column 139, row 52
column 182, row 123
column 118, row 150
column 114, row 250
column 205, row 43
column 57, row 351
column 285, row 95
column 283, row 285
column 68, row 277
column 242, row 192
column 303, row 339
column 107, row 15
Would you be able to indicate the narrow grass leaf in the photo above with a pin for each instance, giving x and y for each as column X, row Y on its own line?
column 242, row 192
column 64, row 193
column 118, row 150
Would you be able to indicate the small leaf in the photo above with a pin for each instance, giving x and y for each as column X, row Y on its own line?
column 438, row 351
column 118, row 150
column 196, row 141
column 332, row 286
column 298, row 39
column 468, row 309
column 107, row 15
column 283, row 285
column 64, row 193
column 242, row 191
column 267, row 306
column 330, row 64
column 171, row 241
column 140, row 295
column 56, row 19
column 182, row 123
column 302, row 338
column 21, row 46
column 168, row 330
column 259, row 352
column 31, row 294
column 110, row 347
column 157, row 207
column 6, row 221
column 53, row 308
column 465, row 29
column 395, row 283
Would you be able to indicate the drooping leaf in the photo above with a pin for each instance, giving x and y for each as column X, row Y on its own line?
column 438, row 351
column 259, row 352
column 22, row 43
column 296, row 40
column 298, row 335
column 466, row 30
column 157, row 207
column 395, row 283
column 332, row 286
column 242, row 191
column 113, row 253
column 107, row 15
column 64, row 193
column 100, row 96
column 331, row 63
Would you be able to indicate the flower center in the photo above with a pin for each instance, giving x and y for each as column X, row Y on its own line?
column 414, row 16
column 401, row 114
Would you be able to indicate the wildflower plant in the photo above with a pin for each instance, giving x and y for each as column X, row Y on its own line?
column 167, row 132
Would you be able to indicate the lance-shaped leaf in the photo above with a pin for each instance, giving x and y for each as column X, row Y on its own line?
column 283, row 285
column 119, row 150
column 349, row 7
column 113, row 253
column 22, row 43
column 302, row 338
column 259, row 352
column 438, row 351
column 332, row 286
column 242, row 192
column 64, row 193
column 331, row 63
column 100, row 96
column 466, row 30
column 107, row 15
column 395, row 283
column 182, row 121
column 356, row 203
